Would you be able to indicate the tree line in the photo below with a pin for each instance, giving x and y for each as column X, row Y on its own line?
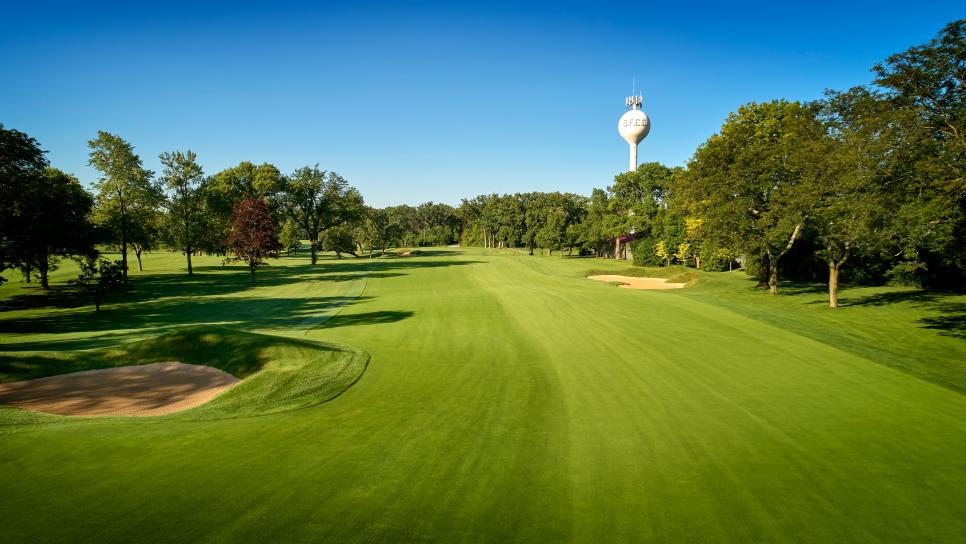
column 247, row 212
column 865, row 185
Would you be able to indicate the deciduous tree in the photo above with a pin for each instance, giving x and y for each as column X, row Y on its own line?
column 58, row 219
column 99, row 278
column 21, row 163
column 232, row 185
column 184, row 177
column 754, row 183
column 318, row 200
column 124, row 190
column 253, row 236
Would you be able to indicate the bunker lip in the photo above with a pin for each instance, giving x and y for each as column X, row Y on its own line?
column 632, row 282
column 141, row 390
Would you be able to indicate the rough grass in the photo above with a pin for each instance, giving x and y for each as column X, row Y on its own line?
column 509, row 399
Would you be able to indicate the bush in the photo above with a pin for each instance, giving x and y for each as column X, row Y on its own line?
column 716, row 260
column 906, row 274
column 753, row 265
column 644, row 252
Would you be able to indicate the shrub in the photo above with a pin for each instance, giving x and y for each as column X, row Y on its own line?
column 906, row 274
column 716, row 259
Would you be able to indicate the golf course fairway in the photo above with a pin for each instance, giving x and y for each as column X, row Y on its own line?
column 500, row 397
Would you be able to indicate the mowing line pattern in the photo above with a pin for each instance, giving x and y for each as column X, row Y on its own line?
column 509, row 399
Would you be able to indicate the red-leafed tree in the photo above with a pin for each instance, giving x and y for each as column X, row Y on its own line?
column 253, row 236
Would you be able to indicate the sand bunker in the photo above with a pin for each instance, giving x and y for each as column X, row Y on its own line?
column 142, row 390
column 630, row 282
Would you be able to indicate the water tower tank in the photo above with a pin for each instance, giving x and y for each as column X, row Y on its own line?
column 634, row 126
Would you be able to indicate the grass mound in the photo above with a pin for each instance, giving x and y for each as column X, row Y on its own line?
column 279, row 374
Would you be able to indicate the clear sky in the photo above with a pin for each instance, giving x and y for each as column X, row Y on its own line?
column 427, row 101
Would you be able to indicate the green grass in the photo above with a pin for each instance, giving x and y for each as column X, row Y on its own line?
column 509, row 399
column 280, row 374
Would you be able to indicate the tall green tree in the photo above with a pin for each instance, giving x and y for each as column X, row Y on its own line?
column 857, row 188
column 554, row 231
column 290, row 236
column 378, row 231
column 58, row 213
column 184, row 179
column 232, row 185
column 925, row 87
column 931, row 79
column 148, row 232
column 318, row 200
column 635, row 199
column 21, row 163
column 595, row 233
column 124, row 189
column 754, row 184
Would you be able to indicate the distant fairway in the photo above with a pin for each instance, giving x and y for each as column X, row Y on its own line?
column 506, row 399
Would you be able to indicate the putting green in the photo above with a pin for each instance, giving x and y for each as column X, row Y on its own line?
column 510, row 399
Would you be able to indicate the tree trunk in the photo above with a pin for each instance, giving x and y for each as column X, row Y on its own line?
column 764, row 270
column 187, row 253
column 43, row 268
column 773, row 281
column 123, row 242
column 773, row 260
column 833, row 284
column 314, row 251
column 617, row 248
column 124, row 254
column 137, row 253
column 252, row 267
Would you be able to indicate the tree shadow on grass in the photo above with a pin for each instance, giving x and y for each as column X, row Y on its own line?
column 236, row 352
column 214, row 281
column 793, row 288
column 893, row 297
column 155, row 317
column 949, row 314
column 59, row 296
column 368, row 318
column 951, row 323
column 395, row 264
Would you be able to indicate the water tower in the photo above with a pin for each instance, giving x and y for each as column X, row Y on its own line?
column 634, row 125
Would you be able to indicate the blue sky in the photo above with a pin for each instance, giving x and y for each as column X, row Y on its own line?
column 427, row 101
